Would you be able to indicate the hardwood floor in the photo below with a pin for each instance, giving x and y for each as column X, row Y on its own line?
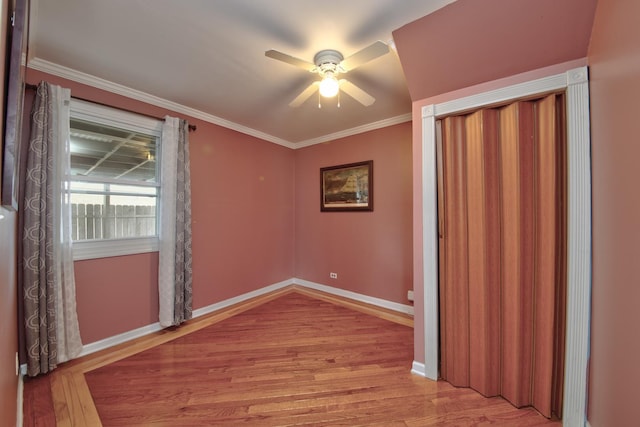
column 295, row 357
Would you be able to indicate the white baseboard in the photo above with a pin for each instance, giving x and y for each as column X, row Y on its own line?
column 418, row 368
column 119, row 339
column 240, row 298
column 402, row 308
column 149, row 329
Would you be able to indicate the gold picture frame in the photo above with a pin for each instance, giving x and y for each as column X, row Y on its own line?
column 347, row 187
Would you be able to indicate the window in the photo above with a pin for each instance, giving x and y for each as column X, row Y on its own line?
column 115, row 181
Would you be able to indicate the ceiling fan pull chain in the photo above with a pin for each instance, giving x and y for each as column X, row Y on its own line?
column 319, row 101
column 338, row 99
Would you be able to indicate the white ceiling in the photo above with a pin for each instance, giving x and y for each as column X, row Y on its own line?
column 208, row 56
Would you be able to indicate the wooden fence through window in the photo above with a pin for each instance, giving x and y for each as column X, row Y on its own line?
column 95, row 221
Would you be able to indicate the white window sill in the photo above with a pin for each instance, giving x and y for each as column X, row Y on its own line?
column 92, row 249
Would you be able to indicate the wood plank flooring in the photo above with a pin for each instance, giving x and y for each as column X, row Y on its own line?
column 295, row 357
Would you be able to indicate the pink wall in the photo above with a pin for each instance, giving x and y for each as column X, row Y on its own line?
column 370, row 251
column 115, row 295
column 243, row 216
column 470, row 42
column 614, row 58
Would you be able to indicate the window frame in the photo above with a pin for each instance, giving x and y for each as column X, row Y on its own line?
column 108, row 116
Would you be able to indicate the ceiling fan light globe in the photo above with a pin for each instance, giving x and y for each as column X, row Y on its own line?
column 329, row 87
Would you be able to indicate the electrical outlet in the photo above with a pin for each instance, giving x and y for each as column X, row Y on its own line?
column 410, row 295
column 333, row 275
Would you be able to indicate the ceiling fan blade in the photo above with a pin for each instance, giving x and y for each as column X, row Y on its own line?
column 365, row 55
column 356, row 93
column 300, row 63
column 310, row 90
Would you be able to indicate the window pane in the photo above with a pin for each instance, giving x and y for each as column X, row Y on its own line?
column 109, row 211
column 108, row 152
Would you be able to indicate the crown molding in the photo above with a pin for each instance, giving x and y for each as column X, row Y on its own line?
column 44, row 66
column 89, row 80
column 356, row 130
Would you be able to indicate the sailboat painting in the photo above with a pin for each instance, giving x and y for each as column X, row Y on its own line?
column 347, row 187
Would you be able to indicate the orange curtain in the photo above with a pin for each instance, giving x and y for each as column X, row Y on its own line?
column 501, row 175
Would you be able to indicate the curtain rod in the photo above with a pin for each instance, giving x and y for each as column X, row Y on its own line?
column 34, row 87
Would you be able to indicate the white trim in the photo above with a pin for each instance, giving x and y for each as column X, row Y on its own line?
column 91, row 249
column 89, row 80
column 402, row 308
column 155, row 327
column 241, row 298
column 497, row 96
column 578, row 249
column 111, row 116
column 418, row 368
column 430, row 243
column 354, row 131
column 119, row 339
column 579, row 224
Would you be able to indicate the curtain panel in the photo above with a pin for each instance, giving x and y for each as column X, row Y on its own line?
column 174, row 266
column 52, row 334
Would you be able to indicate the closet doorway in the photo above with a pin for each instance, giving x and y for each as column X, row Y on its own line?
column 574, row 83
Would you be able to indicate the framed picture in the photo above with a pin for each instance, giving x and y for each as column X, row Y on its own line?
column 347, row 187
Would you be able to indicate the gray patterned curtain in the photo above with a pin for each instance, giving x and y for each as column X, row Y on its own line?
column 174, row 269
column 51, row 326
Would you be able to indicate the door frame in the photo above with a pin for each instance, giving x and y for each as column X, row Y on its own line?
column 575, row 82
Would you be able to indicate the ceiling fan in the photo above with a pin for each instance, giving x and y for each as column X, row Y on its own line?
column 329, row 64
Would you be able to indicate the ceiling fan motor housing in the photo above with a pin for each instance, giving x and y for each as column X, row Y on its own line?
column 328, row 60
